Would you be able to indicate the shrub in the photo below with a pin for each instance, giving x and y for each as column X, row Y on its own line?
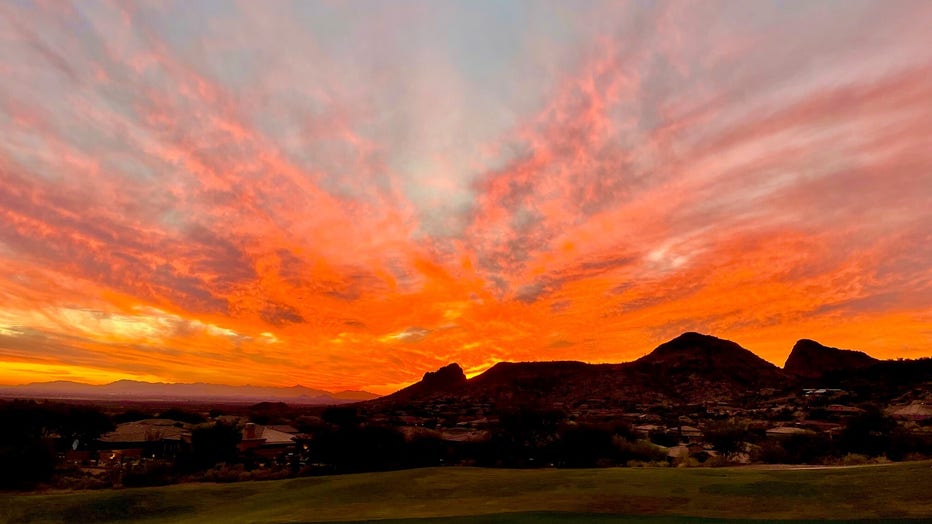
column 770, row 452
column 213, row 443
column 728, row 436
column 854, row 459
column 639, row 451
column 868, row 433
column 149, row 474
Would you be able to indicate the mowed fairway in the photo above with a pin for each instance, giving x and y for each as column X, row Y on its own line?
column 900, row 492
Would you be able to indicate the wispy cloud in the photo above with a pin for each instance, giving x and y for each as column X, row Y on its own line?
column 301, row 193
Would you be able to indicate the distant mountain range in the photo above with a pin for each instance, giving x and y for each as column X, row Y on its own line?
column 692, row 368
column 134, row 390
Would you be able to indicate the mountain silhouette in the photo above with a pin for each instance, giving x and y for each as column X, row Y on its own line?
column 137, row 390
column 446, row 380
column 809, row 359
column 690, row 368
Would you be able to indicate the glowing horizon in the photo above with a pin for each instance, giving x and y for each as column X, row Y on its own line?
column 346, row 195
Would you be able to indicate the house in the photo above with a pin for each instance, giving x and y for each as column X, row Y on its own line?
column 822, row 392
column 839, row 409
column 285, row 428
column 119, row 456
column 917, row 411
column 266, row 442
column 644, row 430
column 787, row 431
column 460, row 434
column 818, row 425
column 149, row 438
column 690, row 432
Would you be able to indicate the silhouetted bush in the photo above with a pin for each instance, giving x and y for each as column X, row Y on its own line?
column 867, row 433
column 367, row 448
column 213, row 443
column 665, row 438
column 586, row 447
column 904, row 444
column 148, row 474
column 425, row 451
column 30, row 431
column 805, row 448
column 727, row 436
column 79, row 424
column 770, row 452
column 25, row 463
column 640, row 450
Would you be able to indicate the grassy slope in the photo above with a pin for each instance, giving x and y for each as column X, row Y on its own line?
column 895, row 491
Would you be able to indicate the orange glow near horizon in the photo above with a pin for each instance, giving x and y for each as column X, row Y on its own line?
column 348, row 211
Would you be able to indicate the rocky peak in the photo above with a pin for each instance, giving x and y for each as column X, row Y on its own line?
column 693, row 355
column 448, row 376
column 811, row 359
column 693, row 346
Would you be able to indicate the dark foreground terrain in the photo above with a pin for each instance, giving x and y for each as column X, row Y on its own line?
column 877, row 493
column 696, row 400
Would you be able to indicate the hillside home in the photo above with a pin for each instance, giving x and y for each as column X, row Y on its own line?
column 150, row 438
column 788, row 431
column 266, row 442
column 917, row 411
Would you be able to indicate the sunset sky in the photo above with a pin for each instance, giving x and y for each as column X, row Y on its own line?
column 346, row 195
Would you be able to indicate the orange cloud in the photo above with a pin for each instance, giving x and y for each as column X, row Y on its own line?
column 187, row 202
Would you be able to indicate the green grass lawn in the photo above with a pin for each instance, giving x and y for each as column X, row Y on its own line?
column 900, row 492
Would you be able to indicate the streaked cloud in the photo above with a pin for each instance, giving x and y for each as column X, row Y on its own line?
column 285, row 193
